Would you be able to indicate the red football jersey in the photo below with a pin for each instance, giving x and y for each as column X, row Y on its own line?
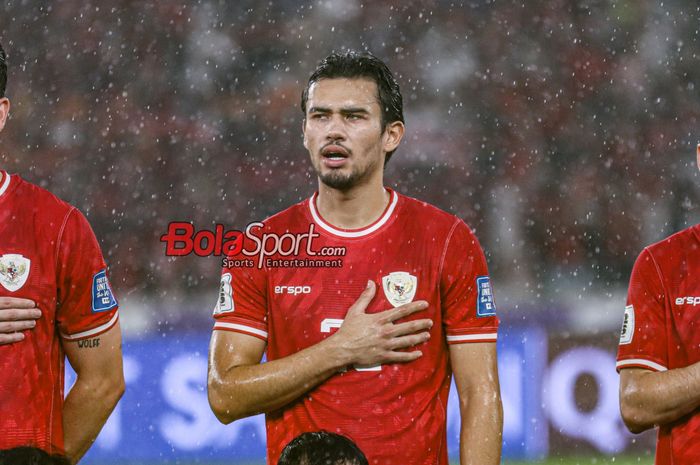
column 660, row 329
column 395, row 413
column 48, row 254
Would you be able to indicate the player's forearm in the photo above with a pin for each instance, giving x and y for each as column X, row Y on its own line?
column 650, row 398
column 482, row 428
column 242, row 391
column 86, row 409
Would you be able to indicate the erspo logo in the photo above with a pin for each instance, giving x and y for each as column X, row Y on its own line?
column 688, row 301
column 293, row 290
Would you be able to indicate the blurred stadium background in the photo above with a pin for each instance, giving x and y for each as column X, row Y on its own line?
column 562, row 131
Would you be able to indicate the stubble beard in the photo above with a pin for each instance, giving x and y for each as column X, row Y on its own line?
column 337, row 179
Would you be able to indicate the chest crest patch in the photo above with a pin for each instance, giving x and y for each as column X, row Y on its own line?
column 399, row 287
column 14, row 271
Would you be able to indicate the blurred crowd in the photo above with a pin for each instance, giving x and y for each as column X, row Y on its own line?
column 563, row 132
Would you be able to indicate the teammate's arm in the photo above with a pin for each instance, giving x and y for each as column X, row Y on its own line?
column 649, row 398
column 16, row 315
column 100, row 383
column 239, row 386
column 476, row 376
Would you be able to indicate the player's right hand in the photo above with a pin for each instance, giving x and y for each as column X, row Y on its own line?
column 16, row 315
column 369, row 339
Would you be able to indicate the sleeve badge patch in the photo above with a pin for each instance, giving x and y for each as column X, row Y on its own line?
column 102, row 296
column 485, row 305
column 225, row 302
column 627, row 326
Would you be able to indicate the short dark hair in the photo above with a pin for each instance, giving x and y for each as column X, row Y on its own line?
column 354, row 64
column 322, row 448
column 3, row 71
column 26, row 455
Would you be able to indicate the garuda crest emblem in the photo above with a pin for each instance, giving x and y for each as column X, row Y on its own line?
column 14, row 271
column 399, row 287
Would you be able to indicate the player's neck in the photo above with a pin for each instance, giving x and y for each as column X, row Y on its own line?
column 353, row 209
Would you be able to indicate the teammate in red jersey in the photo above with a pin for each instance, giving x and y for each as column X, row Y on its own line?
column 52, row 274
column 343, row 356
column 659, row 354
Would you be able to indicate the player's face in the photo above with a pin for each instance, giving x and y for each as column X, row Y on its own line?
column 343, row 131
column 4, row 111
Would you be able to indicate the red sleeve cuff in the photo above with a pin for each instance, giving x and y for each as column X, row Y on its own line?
column 96, row 331
column 243, row 328
column 639, row 363
column 462, row 336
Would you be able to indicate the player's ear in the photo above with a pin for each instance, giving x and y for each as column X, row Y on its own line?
column 698, row 156
column 392, row 135
column 303, row 132
column 4, row 111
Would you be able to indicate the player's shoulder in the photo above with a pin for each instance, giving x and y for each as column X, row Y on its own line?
column 50, row 205
column 677, row 252
column 684, row 240
column 432, row 217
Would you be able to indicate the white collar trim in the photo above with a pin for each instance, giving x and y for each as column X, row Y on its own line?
column 5, row 181
column 356, row 232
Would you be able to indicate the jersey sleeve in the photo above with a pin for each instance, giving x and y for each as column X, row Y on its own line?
column 468, row 307
column 86, row 304
column 643, row 340
column 242, row 303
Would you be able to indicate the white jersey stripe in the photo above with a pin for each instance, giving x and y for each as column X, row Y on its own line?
column 359, row 233
column 473, row 337
column 90, row 332
column 5, row 182
column 246, row 329
column 642, row 362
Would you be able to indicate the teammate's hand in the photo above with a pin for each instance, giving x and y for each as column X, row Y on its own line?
column 374, row 338
column 16, row 315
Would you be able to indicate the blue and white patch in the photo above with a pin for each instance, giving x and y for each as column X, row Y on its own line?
column 485, row 305
column 102, row 297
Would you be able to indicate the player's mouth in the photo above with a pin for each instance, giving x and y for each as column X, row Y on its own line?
column 334, row 156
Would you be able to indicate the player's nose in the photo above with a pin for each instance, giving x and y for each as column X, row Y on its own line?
column 335, row 129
